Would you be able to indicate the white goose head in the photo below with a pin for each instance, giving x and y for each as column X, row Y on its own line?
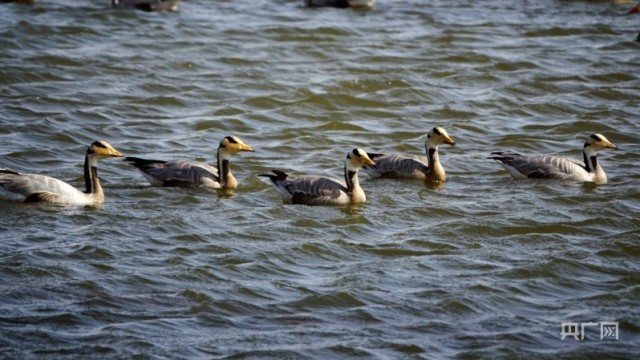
column 232, row 145
column 357, row 159
column 438, row 136
column 597, row 142
column 101, row 150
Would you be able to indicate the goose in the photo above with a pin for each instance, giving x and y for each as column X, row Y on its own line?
column 556, row 167
column 318, row 190
column 40, row 188
column 186, row 173
column 408, row 166
column 146, row 5
column 340, row 3
column 634, row 10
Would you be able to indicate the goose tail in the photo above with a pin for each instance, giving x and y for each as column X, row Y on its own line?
column 277, row 175
column 142, row 163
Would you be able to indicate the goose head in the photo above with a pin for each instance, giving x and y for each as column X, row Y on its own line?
column 101, row 150
column 438, row 136
column 357, row 159
column 598, row 142
column 232, row 145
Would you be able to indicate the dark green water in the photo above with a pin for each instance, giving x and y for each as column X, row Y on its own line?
column 483, row 267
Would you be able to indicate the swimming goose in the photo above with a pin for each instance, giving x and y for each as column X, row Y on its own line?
column 40, row 188
column 555, row 167
column 634, row 10
column 146, row 5
column 185, row 173
column 318, row 190
column 340, row 3
column 407, row 166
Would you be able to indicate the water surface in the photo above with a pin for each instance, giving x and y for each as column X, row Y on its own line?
column 482, row 267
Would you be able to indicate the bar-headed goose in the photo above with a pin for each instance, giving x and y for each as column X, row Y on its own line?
column 40, row 188
column 556, row 167
column 186, row 173
column 408, row 166
column 146, row 5
column 357, row 4
column 318, row 190
column 18, row 1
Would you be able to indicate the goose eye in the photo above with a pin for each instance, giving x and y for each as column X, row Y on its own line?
column 436, row 131
column 231, row 140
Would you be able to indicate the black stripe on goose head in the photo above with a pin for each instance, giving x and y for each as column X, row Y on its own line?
column 228, row 140
column 96, row 144
column 592, row 138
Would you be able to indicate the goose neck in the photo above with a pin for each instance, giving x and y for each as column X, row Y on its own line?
column 91, row 181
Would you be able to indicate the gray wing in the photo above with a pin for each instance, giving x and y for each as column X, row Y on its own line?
column 311, row 190
column 177, row 172
column 147, row 5
column 398, row 166
column 541, row 166
column 23, row 186
column 328, row 3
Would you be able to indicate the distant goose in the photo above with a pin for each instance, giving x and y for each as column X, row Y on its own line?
column 634, row 10
column 39, row 188
column 407, row 166
column 185, row 173
column 146, row 5
column 318, row 190
column 555, row 167
column 340, row 3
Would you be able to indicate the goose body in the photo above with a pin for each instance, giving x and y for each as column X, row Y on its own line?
column 319, row 190
column 556, row 167
column 408, row 166
column 40, row 188
column 187, row 173
column 146, row 5
column 339, row 3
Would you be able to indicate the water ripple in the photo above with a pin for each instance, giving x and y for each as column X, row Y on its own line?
column 481, row 267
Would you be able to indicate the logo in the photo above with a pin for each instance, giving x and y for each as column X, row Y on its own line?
column 608, row 330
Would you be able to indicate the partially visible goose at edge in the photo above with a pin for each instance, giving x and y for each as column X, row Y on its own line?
column 146, row 5
column 318, row 190
column 39, row 188
column 634, row 10
column 556, row 167
column 18, row 1
column 186, row 173
column 408, row 166
column 340, row 3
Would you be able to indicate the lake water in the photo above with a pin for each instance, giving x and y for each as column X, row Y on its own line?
column 482, row 267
